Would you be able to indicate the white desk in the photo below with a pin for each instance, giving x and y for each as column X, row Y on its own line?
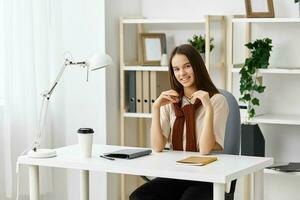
column 226, row 169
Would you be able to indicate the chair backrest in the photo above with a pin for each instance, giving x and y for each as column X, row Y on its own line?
column 233, row 126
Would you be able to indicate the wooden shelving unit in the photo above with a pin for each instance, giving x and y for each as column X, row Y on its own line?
column 234, row 68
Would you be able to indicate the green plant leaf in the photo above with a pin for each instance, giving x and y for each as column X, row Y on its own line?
column 251, row 113
column 261, row 89
column 260, row 52
column 199, row 43
column 249, row 45
column 255, row 101
column 247, row 97
column 242, row 100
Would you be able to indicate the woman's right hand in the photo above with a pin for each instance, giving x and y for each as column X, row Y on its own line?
column 166, row 97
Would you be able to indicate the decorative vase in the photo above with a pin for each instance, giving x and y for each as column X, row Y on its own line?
column 252, row 140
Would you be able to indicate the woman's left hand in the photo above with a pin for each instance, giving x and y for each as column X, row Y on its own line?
column 204, row 97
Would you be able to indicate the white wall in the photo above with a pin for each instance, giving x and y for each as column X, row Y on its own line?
column 198, row 8
column 79, row 27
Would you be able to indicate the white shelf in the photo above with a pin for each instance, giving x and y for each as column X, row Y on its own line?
column 163, row 21
column 138, row 115
column 274, row 172
column 159, row 68
column 146, row 68
column 266, row 20
column 272, row 71
column 277, row 119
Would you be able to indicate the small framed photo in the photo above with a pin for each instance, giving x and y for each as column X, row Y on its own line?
column 259, row 8
column 153, row 46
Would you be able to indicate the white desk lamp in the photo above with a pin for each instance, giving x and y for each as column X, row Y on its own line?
column 94, row 63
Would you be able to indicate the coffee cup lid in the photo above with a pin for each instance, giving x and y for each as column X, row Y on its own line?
column 85, row 130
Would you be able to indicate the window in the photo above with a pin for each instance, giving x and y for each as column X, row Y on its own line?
column 1, row 57
column 1, row 84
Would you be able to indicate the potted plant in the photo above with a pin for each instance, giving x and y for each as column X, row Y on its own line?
column 252, row 138
column 198, row 41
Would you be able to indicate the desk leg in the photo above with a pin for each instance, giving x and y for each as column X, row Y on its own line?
column 84, row 185
column 247, row 187
column 219, row 191
column 34, row 188
column 258, row 185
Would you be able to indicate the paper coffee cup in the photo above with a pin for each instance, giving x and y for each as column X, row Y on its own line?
column 85, row 140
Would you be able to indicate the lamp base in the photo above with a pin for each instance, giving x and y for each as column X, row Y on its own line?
column 42, row 153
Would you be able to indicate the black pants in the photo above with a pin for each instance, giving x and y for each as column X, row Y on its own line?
column 173, row 189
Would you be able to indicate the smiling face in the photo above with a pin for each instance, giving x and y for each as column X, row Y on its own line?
column 183, row 71
column 187, row 71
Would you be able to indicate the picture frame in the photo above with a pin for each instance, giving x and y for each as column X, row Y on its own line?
column 259, row 8
column 153, row 46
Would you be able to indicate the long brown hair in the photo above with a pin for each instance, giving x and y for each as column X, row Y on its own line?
column 202, row 78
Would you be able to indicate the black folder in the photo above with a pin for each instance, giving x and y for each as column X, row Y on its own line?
column 128, row 153
column 131, row 91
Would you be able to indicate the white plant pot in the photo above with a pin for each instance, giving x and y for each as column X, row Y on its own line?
column 164, row 60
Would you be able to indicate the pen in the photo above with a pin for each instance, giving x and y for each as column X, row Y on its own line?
column 105, row 157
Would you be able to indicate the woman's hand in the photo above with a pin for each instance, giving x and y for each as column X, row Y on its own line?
column 204, row 97
column 166, row 97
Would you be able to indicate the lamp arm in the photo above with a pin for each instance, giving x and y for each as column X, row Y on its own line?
column 41, row 122
column 44, row 108
column 59, row 75
column 46, row 97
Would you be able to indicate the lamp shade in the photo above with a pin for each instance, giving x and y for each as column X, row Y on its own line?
column 98, row 61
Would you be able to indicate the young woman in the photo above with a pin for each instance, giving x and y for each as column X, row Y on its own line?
column 190, row 117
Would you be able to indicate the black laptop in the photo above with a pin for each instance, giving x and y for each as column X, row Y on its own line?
column 128, row 153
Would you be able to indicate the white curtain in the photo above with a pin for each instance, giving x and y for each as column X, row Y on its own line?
column 25, row 49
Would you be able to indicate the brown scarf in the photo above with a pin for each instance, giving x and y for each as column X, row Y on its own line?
column 187, row 113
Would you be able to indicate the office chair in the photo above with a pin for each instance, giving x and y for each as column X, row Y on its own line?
column 232, row 135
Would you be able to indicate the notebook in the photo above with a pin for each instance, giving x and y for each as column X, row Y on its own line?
column 197, row 160
column 128, row 153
